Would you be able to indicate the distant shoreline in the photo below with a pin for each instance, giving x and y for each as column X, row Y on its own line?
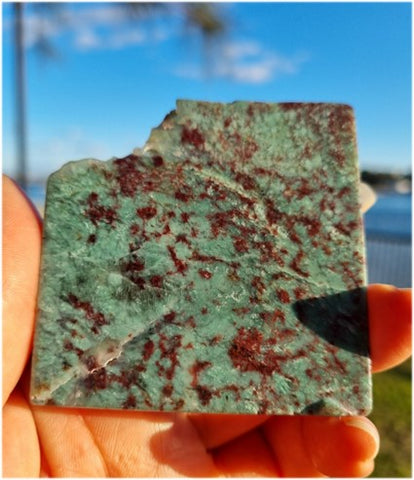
column 387, row 182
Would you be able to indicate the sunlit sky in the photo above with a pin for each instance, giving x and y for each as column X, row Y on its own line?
column 113, row 80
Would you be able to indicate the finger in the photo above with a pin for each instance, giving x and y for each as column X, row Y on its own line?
column 390, row 325
column 216, row 430
column 149, row 444
column 69, row 448
column 341, row 446
column 246, row 456
column 284, row 435
column 21, row 451
column 21, row 253
column 310, row 446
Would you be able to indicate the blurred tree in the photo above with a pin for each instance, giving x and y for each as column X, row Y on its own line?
column 203, row 18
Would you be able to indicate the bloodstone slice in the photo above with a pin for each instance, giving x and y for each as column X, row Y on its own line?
column 219, row 269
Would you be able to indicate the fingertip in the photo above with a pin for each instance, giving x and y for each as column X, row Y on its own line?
column 389, row 310
column 341, row 446
column 372, row 440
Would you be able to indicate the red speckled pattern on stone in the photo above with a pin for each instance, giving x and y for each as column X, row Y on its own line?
column 220, row 269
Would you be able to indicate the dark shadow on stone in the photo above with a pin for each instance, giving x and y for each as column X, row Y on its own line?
column 314, row 409
column 340, row 319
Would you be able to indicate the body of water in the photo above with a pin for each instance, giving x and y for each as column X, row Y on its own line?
column 388, row 236
column 390, row 216
column 388, row 240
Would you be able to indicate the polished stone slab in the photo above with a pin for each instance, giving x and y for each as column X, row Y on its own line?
column 219, row 269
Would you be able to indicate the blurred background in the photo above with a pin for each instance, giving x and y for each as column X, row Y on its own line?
column 91, row 80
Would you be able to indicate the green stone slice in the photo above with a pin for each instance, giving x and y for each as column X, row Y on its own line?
column 219, row 269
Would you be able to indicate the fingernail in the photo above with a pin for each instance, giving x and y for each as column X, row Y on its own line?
column 367, row 426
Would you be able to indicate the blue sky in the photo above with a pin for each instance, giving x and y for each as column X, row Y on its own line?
column 115, row 80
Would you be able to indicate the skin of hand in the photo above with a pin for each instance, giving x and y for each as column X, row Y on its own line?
column 67, row 442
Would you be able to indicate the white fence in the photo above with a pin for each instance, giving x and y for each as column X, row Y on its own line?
column 389, row 260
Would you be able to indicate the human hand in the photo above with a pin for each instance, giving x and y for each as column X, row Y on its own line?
column 66, row 442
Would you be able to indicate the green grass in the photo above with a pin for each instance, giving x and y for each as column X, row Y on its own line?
column 392, row 416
